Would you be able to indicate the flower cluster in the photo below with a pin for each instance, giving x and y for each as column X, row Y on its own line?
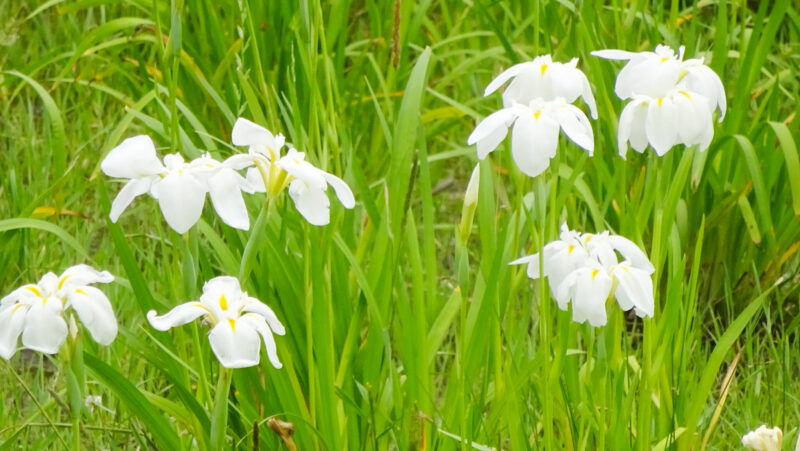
column 180, row 187
column 584, row 269
column 537, row 103
column 672, row 100
column 36, row 311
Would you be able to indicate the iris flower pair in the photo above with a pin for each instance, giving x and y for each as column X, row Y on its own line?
column 36, row 312
column 584, row 269
column 180, row 187
column 672, row 102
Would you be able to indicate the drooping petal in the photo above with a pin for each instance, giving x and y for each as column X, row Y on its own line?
column 630, row 251
column 225, row 190
column 258, row 323
column 533, row 142
column 696, row 125
column 638, row 138
column 134, row 158
column 592, row 288
column 45, row 330
column 485, row 146
column 341, row 189
column 631, row 127
column 95, row 312
column 634, row 290
column 707, row 134
column 576, row 126
column 178, row 316
column 181, row 198
column 12, row 321
column 260, row 308
column 565, row 290
column 491, row 131
column 587, row 95
column 703, row 80
column 235, row 343
column 132, row 189
column 662, row 125
column 313, row 204
column 533, row 265
column 689, row 124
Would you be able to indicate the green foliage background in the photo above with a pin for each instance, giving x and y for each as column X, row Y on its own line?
column 406, row 328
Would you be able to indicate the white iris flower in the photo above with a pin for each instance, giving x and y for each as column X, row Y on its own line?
column 179, row 187
column 544, row 79
column 273, row 172
column 763, row 439
column 537, row 103
column 583, row 269
column 672, row 100
column 36, row 311
column 238, row 323
column 534, row 132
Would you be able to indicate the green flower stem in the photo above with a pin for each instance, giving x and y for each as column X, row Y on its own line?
column 219, row 417
column 544, row 317
column 76, row 375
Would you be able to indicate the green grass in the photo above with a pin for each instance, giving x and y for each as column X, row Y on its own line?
column 406, row 328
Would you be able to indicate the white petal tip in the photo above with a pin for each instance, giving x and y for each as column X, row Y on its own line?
column 519, row 261
column 154, row 320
